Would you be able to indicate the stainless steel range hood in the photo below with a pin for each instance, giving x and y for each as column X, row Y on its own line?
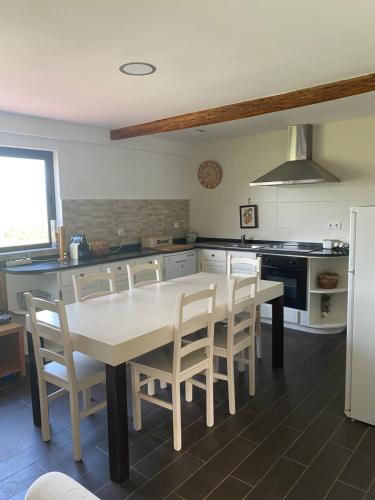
column 300, row 167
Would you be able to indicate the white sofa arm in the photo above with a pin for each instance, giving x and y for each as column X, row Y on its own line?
column 58, row 486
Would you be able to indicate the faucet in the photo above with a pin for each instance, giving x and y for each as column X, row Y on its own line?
column 243, row 239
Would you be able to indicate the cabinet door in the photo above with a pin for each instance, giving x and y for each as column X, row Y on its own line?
column 66, row 276
column 213, row 267
column 67, row 294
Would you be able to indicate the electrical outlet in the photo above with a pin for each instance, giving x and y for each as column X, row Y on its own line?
column 338, row 225
column 331, row 225
column 176, row 225
column 121, row 232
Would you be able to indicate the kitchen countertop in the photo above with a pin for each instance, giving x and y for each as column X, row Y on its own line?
column 42, row 265
column 268, row 247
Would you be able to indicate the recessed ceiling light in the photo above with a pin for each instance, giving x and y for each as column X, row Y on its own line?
column 137, row 68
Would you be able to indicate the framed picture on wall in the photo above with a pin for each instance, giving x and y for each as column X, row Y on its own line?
column 249, row 216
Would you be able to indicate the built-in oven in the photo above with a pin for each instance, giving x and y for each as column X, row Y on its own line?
column 292, row 272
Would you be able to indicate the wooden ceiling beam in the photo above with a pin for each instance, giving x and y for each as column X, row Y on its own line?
column 271, row 104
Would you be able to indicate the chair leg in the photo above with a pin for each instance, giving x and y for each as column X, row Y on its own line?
column 137, row 418
column 231, row 389
column 46, row 432
column 188, row 391
column 210, row 395
column 176, row 405
column 258, row 334
column 241, row 364
column 163, row 385
column 216, row 367
column 151, row 388
column 252, row 369
column 86, row 393
column 75, row 420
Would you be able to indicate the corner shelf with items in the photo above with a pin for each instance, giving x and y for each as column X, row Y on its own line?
column 333, row 320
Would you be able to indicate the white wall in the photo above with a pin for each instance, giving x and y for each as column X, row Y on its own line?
column 346, row 148
column 90, row 166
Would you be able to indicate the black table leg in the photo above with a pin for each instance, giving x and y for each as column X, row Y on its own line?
column 34, row 386
column 117, row 423
column 278, row 331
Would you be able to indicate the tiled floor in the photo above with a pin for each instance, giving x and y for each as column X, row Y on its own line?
column 290, row 441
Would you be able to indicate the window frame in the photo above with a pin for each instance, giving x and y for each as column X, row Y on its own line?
column 47, row 157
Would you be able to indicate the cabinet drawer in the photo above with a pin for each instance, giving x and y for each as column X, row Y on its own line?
column 66, row 276
column 213, row 255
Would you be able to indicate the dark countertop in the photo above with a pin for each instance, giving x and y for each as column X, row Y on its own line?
column 302, row 249
column 43, row 265
column 48, row 265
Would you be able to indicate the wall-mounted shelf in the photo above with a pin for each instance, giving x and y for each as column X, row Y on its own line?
column 329, row 323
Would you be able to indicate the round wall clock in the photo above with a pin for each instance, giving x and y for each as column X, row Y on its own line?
column 210, row 174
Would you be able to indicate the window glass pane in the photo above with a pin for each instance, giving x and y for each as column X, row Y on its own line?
column 23, row 204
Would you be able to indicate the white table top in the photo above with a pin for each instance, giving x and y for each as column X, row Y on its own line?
column 118, row 327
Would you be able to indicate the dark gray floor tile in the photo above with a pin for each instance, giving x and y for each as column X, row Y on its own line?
column 279, row 480
column 318, row 478
column 323, row 370
column 209, row 476
column 341, row 491
column 269, row 420
column 312, row 440
column 169, row 478
column 316, row 402
column 337, row 406
column 266, row 454
column 7, row 450
column 19, row 481
column 349, row 433
column 157, row 460
column 230, row 489
column 113, row 491
column 360, row 471
column 371, row 492
column 222, row 434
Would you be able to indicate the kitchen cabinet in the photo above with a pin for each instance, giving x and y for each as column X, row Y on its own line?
column 120, row 271
column 212, row 261
column 180, row 264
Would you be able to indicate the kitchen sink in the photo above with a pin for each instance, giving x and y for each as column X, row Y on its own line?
column 228, row 244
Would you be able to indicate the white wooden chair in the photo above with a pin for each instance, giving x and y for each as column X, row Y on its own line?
column 71, row 371
column 137, row 269
column 79, row 282
column 238, row 334
column 243, row 264
column 177, row 363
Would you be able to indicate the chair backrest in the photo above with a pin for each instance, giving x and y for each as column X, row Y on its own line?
column 58, row 334
column 136, row 269
column 80, row 281
column 241, row 307
column 244, row 265
column 187, row 323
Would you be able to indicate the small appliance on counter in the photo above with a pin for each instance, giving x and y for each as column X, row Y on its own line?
column 79, row 248
column 191, row 237
column 99, row 248
column 164, row 243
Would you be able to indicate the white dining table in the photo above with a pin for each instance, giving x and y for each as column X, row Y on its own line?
column 118, row 327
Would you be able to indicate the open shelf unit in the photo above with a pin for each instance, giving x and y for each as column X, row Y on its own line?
column 336, row 318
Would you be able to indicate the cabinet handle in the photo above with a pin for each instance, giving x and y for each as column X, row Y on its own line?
column 179, row 261
column 119, row 268
column 212, row 255
column 82, row 275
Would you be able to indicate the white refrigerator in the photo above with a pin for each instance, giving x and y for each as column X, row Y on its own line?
column 360, row 357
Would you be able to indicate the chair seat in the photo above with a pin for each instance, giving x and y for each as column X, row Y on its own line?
column 58, row 486
column 162, row 359
column 85, row 367
column 220, row 337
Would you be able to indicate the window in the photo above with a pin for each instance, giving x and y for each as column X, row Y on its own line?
column 27, row 200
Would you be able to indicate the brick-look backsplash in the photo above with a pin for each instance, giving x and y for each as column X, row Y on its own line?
column 101, row 219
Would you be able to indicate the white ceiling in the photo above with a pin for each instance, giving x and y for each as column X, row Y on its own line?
column 61, row 59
